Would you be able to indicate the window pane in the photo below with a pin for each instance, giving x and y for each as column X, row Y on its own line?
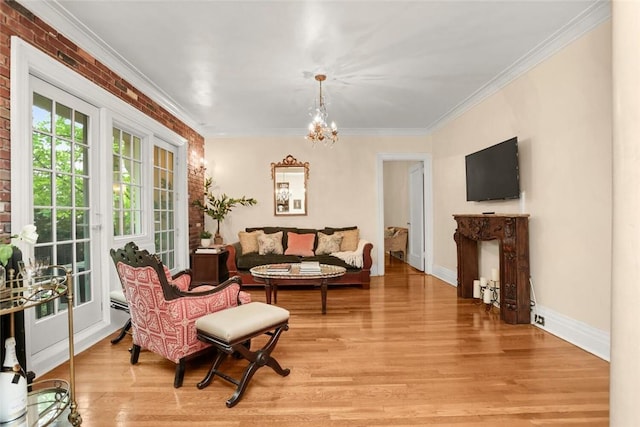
column 63, row 190
column 82, row 224
column 41, row 150
column 63, row 121
column 63, row 155
column 42, row 218
column 116, row 141
column 82, row 192
column 80, row 128
column 81, row 166
column 83, row 288
column 42, row 188
column 41, row 112
column 63, row 224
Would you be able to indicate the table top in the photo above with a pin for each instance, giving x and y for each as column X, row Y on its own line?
column 326, row 271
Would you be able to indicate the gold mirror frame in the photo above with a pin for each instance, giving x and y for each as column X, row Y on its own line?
column 290, row 187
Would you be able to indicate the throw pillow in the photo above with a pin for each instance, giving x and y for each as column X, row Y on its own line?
column 350, row 239
column 248, row 241
column 270, row 243
column 328, row 243
column 300, row 244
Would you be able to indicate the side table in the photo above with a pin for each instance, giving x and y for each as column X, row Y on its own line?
column 210, row 269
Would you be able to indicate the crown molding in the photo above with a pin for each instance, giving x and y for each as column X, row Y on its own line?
column 212, row 132
column 596, row 14
column 62, row 21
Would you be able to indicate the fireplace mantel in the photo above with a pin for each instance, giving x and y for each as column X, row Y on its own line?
column 512, row 232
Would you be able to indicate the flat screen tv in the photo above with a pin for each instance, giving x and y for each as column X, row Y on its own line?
column 493, row 173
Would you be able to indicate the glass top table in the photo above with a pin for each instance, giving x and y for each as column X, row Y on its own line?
column 290, row 274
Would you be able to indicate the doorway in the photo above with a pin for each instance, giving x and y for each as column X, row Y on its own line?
column 423, row 243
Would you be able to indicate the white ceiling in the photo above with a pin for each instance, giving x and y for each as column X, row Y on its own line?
column 247, row 67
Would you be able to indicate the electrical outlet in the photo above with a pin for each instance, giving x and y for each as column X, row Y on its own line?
column 539, row 320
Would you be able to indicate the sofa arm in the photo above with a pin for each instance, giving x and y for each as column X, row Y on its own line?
column 235, row 250
column 367, row 261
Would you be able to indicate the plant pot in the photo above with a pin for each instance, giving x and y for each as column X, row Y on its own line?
column 217, row 239
column 205, row 243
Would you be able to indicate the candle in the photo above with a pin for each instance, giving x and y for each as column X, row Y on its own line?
column 494, row 275
column 487, row 296
column 483, row 282
column 476, row 288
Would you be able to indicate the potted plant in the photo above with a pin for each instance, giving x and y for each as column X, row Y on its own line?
column 217, row 207
column 205, row 238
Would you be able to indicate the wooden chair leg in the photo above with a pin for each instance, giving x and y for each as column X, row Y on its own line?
column 123, row 332
column 135, row 353
column 180, row 366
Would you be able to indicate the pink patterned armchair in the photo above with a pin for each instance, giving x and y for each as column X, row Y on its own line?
column 164, row 310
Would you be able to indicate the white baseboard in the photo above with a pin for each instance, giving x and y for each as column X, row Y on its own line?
column 449, row 276
column 578, row 333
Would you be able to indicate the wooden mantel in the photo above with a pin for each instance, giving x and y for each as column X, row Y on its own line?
column 512, row 231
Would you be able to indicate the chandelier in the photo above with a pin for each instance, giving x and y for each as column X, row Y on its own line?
column 318, row 129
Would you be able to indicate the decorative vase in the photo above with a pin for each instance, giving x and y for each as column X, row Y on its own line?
column 205, row 243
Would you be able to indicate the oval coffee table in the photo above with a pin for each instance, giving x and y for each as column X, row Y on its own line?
column 272, row 279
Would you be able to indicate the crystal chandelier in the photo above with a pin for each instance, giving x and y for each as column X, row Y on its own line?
column 318, row 129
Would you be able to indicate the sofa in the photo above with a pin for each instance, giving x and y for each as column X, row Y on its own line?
column 274, row 245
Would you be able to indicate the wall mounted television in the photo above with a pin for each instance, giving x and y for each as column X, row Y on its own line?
column 494, row 173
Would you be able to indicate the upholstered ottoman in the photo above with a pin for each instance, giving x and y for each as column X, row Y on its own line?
column 231, row 331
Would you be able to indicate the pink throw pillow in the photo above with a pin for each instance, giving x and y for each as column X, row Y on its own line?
column 300, row 244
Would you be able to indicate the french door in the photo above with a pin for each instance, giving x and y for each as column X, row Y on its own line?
column 64, row 197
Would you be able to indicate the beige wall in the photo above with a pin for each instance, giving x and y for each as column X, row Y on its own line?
column 561, row 113
column 342, row 188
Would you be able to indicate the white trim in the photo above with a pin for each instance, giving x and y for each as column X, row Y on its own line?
column 588, row 338
column 425, row 158
column 446, row 275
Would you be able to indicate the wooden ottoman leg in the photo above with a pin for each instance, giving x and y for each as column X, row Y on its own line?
column 212, row 372
column 257, row 360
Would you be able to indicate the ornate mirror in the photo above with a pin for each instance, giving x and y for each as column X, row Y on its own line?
column 290, row 186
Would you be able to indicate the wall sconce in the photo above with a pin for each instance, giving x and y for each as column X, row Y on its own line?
column 200, row 164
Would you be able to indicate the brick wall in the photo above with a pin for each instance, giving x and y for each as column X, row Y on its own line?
column 16, row 20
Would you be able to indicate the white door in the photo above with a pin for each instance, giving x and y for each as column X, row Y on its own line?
column 63, row 200
column 416, row 217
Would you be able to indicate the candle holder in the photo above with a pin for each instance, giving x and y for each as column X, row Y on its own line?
column 490, row 295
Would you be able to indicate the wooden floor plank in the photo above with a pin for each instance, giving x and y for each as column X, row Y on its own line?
column 407, row 352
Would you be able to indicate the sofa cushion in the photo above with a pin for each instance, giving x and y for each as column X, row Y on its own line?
column 270, row 243
column 246, row 262
column 328, row 243
column 285, row 230
column 248, row 241
column 350, row 239
column 300, row 244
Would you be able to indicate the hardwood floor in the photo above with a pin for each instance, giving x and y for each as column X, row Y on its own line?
column 407, row 352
